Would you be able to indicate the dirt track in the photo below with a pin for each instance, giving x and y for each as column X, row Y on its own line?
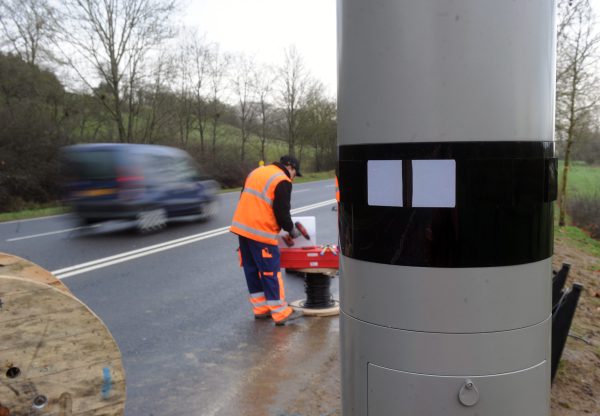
column 576, row 389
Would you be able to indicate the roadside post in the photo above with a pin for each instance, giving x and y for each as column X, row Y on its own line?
column 447, row 178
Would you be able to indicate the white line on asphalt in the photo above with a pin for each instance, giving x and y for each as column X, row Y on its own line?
column 109, row 261
column 156, row 248
column 77, row 228
column 52, row 232
column 313, row 206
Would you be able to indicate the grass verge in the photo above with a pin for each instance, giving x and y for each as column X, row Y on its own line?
column 580, row 239
column 32, row 213
column 59, row 209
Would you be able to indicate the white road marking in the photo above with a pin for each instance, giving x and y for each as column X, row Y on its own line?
column 52, row 232
column 131, row 255
column 157, row 248
column 84, row 227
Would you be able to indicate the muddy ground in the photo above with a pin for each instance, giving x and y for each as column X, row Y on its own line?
column 576, row 389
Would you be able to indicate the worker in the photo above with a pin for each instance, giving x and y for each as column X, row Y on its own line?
column 262, row 211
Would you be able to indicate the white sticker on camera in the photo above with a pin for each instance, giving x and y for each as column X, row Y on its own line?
column 384, row 183
column 433, row 183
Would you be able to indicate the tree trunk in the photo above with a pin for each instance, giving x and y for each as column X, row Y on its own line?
column 201, row 125
column 291, row 142
column 263, row 137
column 562, row 203
column 214, row 137
column 121, row 127
column 119, row 117
column 244, row 138
column 201, row 129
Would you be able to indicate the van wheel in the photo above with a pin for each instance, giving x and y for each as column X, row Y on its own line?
column 209, row 209
column 151, row 220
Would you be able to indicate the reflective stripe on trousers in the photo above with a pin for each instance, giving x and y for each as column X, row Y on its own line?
column 259, row 303
column 263, row 277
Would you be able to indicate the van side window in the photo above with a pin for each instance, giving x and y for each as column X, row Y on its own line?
column 159, row 167
column 183, row 170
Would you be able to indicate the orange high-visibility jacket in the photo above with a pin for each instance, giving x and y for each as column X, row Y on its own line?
column 254, row 217
column 337, row 189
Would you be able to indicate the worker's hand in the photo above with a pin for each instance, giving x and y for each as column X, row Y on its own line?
column 295, row 232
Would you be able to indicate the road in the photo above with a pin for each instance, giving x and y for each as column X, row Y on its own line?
column 175, row 302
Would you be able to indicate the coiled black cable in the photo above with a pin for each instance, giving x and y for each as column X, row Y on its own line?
column 318, row 293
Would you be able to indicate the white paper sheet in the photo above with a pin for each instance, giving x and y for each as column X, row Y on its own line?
column 311, row 227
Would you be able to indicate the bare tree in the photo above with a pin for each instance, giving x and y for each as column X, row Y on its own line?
column 294, row 80
column 27, row 27
column 199, row 75
column 318, row 127
column 242, row 83
column 576, row 91
column 110, row 39
column 264, row 79
column 184, row 85
column 217, row 71
column 158, row 101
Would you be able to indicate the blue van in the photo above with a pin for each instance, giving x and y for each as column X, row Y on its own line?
column 148, row 184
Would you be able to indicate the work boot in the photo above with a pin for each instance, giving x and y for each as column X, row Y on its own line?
column 294, row 315
column 266, row 315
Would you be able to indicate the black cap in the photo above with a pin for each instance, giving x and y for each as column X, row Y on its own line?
column 291, row 161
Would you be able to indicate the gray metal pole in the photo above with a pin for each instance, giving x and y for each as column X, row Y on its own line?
column 447, row 177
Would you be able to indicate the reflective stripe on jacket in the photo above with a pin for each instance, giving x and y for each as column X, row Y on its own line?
column 254, row 217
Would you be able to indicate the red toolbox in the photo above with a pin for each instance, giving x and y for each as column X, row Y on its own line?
column 314, row 257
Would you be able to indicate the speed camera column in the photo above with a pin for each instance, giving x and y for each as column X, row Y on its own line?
column 447, row 177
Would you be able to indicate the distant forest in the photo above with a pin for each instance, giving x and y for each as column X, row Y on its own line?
column 121, row 71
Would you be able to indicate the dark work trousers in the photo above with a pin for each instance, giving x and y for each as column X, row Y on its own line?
column 263, row 277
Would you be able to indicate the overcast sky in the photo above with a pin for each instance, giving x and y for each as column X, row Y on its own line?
column 265, row 28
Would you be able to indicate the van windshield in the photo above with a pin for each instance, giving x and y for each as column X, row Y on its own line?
column 97, row 164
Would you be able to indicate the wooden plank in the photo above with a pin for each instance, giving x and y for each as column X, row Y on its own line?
column 11, row 265
column 56, row 352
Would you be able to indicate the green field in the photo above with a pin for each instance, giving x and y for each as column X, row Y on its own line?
column 32, row 213
column 582, row 179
